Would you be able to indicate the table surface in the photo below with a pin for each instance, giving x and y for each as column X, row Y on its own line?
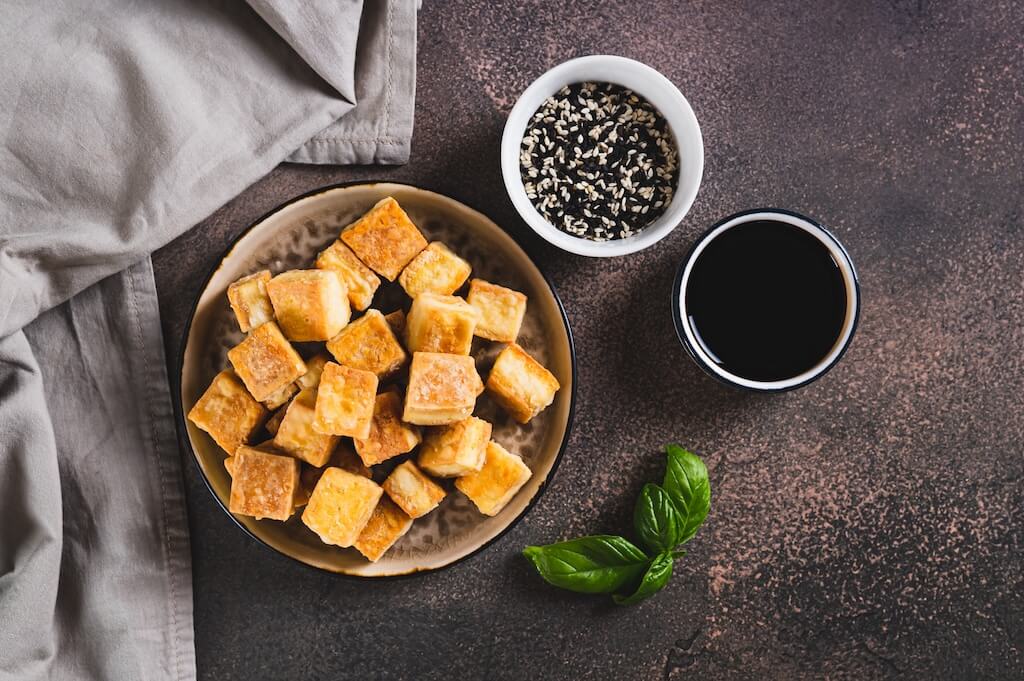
column 867, row 526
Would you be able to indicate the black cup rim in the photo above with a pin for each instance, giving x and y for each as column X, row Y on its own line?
column 679, row 323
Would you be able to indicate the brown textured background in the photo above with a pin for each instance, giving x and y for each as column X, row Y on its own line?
column 868, row 526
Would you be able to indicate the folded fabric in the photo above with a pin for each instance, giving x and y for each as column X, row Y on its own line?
column 123, row 125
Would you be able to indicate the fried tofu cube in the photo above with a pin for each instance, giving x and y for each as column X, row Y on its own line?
column 280, row 397
column 360, row 281
column 456, row 449
column 385, row 238
column 296, row 435
column 344, row 457
column 266, row 361
column 369, row 344
column 396, row 320
column 314, row 367
column 436, row 270
column 500, row 310
column 493, row 486
column 340, row 506
column 344, row 401
column 310, row 305
column 387, row 524
column 389, row 436
column 266, row 447
column 442, row 389
column 228, row 412
column 250, row 302
column 412, row 490
column 263, row 485
column 440, row 324
column 520, row 385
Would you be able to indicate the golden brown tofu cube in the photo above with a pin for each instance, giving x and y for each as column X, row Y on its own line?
column 442, row 389
column 369, row 344
column 250, row 302
column 228, row 412
column 385, row 238
column 296, row 435
column 344, row 401
column 266, row 361
column 494, row 485
column 263, row 485
column 389, row 436
column 310, row 305
column 280, row 397
column 440, row 324
column 340, row 506
column 500, row 310
column 344, row 457
column 396, row 320
column 520, row 385
column 360, row 281
column 456, row 449
column 314, row 367
column 435, row 270
column 266, row 447
column 387, row 524
column 412, row 490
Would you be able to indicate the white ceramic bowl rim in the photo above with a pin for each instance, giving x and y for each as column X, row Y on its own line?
column 839, row 255
column 661, row 93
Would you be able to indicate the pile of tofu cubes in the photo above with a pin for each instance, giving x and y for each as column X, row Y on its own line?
column 309, row 432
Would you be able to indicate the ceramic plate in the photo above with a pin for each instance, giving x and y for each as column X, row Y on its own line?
column 289, row 238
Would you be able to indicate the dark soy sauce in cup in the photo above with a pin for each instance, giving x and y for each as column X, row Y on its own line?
column 766, row 300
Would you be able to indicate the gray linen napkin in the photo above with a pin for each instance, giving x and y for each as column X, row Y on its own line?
column 124, row 124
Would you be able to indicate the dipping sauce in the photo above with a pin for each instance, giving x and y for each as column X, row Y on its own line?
column 598, row 161
column 766, row 300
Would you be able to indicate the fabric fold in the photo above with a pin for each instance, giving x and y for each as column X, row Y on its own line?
column 379, row 129
column 121, row 126
column 312, row 30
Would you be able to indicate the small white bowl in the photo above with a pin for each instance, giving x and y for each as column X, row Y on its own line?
column 643, row 80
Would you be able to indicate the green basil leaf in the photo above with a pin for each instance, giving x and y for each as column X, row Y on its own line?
column 598, row 564
column 656, row 519
column 686, row 481
column 656, row 577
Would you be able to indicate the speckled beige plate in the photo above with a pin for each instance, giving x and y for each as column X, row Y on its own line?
column 289, row 238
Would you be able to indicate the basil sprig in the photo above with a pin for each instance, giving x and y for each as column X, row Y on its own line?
column 665, row 517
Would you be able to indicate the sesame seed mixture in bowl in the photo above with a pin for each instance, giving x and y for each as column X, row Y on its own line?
column 602, row 156
column 598, row 161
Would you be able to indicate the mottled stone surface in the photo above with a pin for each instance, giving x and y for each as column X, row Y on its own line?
column 869, row 526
